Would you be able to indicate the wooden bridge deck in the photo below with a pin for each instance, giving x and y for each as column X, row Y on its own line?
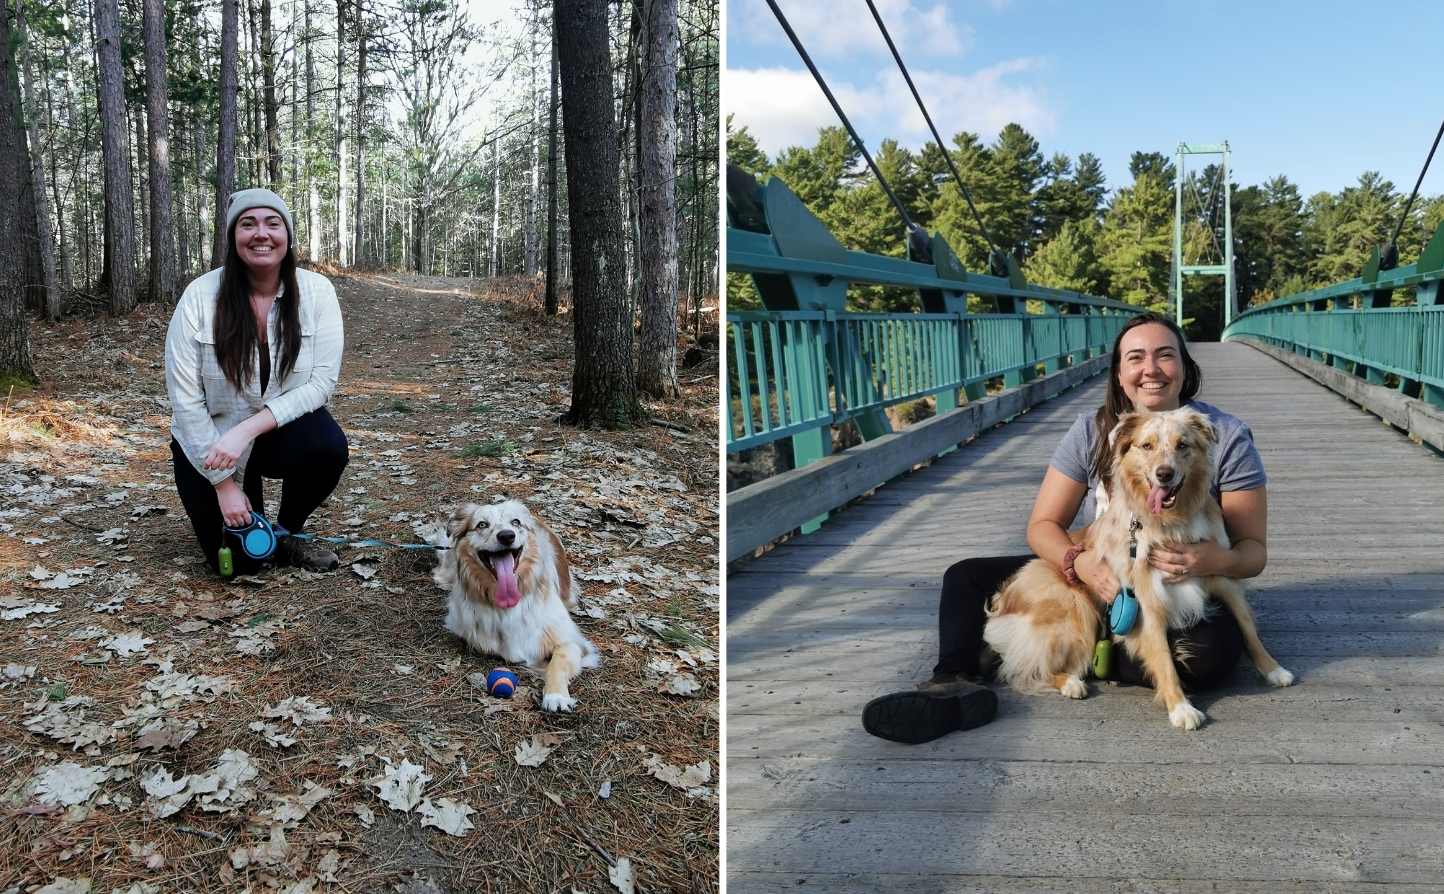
column 1335, row 784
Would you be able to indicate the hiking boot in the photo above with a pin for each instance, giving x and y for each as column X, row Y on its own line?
column 917, row 717
column 306, row 554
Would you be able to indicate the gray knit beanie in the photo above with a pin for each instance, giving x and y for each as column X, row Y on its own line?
column 246, row 199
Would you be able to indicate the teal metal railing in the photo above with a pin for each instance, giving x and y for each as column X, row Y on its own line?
column 1353, row 326
column 794, row 370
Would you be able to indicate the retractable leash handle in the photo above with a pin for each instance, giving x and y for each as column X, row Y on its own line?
column 257, row 540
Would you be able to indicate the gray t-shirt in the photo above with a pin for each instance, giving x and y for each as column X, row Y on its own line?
column 1239, row 465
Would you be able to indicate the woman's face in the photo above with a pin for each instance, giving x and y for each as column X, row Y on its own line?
column 261, row 239
column 1150, row 367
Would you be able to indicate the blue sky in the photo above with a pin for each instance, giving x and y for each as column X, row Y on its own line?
column 1318, row 91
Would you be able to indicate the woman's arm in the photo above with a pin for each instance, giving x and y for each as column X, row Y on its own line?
column 1246, row 517
column 330, row 341
column 1057, row 502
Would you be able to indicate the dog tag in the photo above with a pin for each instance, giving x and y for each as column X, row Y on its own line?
column 1102, row 659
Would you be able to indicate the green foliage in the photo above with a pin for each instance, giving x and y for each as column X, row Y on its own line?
column 492, row 448
column 743, row 151
column 1136, row 243
column 1069, row 260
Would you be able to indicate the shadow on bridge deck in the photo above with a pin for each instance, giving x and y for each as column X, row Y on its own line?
column 1332, row 783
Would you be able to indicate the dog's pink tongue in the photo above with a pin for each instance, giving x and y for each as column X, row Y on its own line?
column 507, row 592
column 1156, row 498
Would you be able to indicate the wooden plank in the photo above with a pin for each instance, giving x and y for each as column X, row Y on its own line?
column 778, row 882
column 1137, row 789
column 1248, row 699
column 1218, row 848
column 1412, row 415
column 1386, row 743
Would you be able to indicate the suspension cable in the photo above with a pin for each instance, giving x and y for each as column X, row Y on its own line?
column 1409, row 204
column 797, row 44
column 947, row 156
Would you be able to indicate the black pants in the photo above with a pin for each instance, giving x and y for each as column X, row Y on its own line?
column 308, row 454
column 1205, row 654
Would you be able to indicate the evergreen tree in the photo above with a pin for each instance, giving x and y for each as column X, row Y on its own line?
column 743, row 151
column 1069, row 260
column 1136, row 244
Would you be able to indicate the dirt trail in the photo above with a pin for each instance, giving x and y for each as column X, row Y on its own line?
column 275, row 709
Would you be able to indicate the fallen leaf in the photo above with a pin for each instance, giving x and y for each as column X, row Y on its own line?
column 621, row 876
column 69, row 783
column 447, row 815
column 401, row 787
column 534, row 753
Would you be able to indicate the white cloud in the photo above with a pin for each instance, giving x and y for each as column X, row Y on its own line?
column 783, row 107
column 846, row 27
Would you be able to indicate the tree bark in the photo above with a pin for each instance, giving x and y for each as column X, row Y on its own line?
column 15, row 359
column 226, row 140
column 162, row 251
column 360, row 234
column 43, row 238
column 270, row 107
column 533, row 239
column 67, row 274
column 342, row 256
column 657, row 200
column 603, row 386
column 553, row 99
column 496, row 207
column 119, row 209
column 313, row 191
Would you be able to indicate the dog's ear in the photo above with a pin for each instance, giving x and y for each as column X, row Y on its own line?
column 1202, row 426
column 460, row 521
column 1124, row 431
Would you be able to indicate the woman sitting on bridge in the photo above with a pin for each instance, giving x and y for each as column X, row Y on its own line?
column 251, row 358
column 1151, row 369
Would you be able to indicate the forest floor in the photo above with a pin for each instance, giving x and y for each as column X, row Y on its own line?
column 162, row 730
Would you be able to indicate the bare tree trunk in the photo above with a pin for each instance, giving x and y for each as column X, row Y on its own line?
column 162, row 252
column 603, row 386
column 532, row 238
column 553, row 101
column 496, row 208
column 313, row 191
column 295, row 119
column 272, row 111
column 342, row 255
column 14, row 173
column 44, row 240
column 360, row 235
column 119, row 209
column 657, row 139
column 67, row 273
column 226, row 141
column 252, row 53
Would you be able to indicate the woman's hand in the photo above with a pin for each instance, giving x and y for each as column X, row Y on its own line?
column 1095, row 573
column 1180, row 561
column 226, row 450
column 235, row 506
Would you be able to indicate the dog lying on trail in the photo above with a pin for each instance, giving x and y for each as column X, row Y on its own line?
column 511, row 586
column 1044, row 629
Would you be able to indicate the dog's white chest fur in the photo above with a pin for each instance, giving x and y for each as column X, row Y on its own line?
column 1186, row 601
column 517, row 636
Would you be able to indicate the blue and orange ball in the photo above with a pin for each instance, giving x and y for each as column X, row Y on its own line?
column 501, row 682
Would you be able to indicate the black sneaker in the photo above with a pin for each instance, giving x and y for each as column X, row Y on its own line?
column 946, row 684
column 917, row 717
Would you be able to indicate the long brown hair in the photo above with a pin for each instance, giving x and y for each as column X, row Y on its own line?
column 235, row 325
column 1117, row 403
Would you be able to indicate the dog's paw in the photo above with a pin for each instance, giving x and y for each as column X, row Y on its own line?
column 556, row 701
column 1074, row 688
column 1280, row 676
column 1186, row 716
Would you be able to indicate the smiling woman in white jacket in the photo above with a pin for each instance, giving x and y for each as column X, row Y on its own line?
column 251, row 359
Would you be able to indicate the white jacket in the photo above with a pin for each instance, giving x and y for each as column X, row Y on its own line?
column 204, row 405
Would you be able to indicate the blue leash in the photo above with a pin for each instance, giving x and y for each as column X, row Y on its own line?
column 259, row 539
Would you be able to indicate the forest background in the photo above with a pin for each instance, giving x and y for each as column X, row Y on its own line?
column 404, row 134
column 1057, row 215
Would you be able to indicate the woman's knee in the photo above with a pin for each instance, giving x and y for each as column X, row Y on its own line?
column 961, row 577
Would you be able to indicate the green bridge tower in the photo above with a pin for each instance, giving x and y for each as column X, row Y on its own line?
column 1180, row 270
